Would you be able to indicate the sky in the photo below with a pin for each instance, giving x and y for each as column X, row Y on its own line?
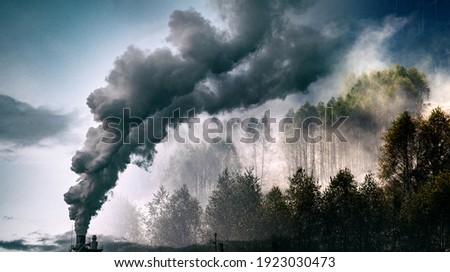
column 65, row 66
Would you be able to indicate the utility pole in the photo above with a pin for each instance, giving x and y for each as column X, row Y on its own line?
column 215, row 241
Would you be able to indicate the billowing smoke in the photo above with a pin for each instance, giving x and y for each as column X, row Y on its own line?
column 269, row 50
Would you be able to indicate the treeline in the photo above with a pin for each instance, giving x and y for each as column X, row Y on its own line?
column 344, row 217
column 406, row 209
column 323, row 207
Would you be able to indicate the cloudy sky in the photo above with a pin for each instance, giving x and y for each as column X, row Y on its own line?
column 60, row 61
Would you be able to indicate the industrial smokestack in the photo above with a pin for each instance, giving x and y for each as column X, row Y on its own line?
column 82, row 246
column 81, row 240
column 94, row 243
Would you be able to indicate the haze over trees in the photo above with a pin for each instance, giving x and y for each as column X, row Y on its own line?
column 386, row 189
column 174, row 220
column 199, row 166
column 370, row 101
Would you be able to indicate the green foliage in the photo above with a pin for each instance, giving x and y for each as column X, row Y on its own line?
column 395, row 82
column 345, row 217
column 370, row 101
column 434, row 138
column 275, row 214
column 341, row 212
column 374, row 218
column 303, row 195
column 398, row 155
column 303, row 198
column 234, row 208
column 426, row 214
column 155, row 209
column 399, row 169
column 177, row 221
column 415, row 150
column 381, row 94
column 415, row 153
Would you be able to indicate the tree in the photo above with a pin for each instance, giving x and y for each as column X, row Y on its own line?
column 399, row 154
column 414, row 153
column 275, row 214
column 427, row 215
column 122, row 219
column 218, row 211
column 199, row 167
column 342, row 214
column 234, row 209
column 415, row 150
column 179, row 222
column 373, row 215
column 398, row 170
column 303, row 198
column 155, row 210
column 434, row 138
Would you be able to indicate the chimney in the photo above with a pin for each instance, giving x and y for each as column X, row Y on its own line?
column 81, row 240
column 94, row 243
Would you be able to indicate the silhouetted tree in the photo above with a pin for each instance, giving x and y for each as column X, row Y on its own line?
column 276, row 214
column 341, row 211
column 234, row 209
column 434, row 138
column 373, row 215
column 303, row 198
column 179, row 222
column 427, row 216
column 399, row 154
column 155, row 210
column 415, row 151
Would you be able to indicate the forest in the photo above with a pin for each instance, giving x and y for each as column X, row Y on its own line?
column 387, row 188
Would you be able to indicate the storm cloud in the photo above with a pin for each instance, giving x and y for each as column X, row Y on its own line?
column 22, row 245
column 22, row 124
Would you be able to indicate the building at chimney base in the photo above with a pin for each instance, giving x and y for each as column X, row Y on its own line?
column 82, row 246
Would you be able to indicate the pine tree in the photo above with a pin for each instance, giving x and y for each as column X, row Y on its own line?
column 275, row 214
column 234, row 209
column 398, row 155
column 155, row 209
column 179, row 223
column 373, row 215
column 342, row 214
column 303, row 198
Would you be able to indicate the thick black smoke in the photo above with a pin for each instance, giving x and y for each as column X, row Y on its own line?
column 270, row 49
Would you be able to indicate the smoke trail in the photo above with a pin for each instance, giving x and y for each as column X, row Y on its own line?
column 264, row 54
